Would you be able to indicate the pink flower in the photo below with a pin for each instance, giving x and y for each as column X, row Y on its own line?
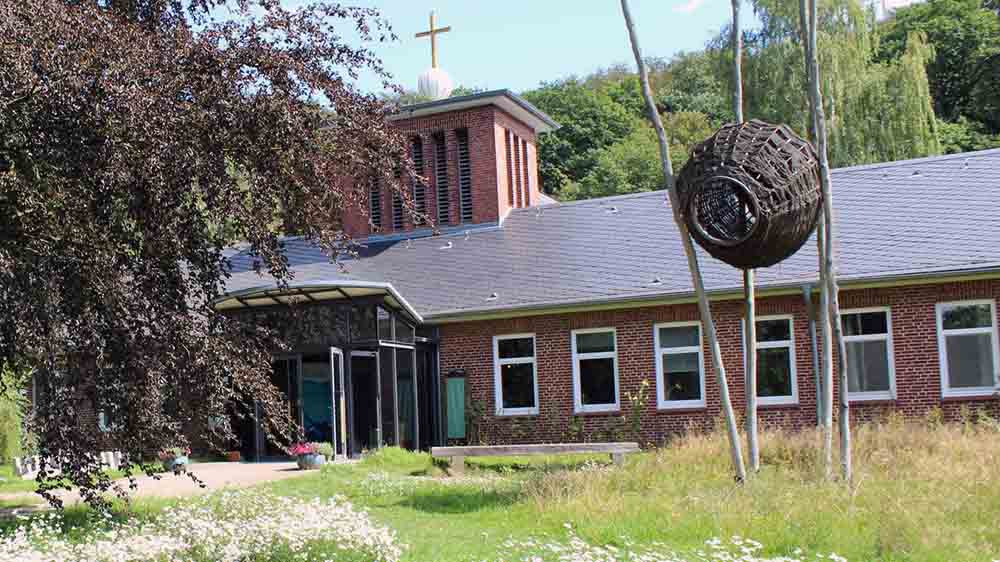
column 302, row 449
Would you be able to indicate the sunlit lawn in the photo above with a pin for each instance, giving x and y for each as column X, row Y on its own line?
column 921, row 493
column 927, row 494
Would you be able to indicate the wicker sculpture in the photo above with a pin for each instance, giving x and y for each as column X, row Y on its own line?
column 750, row 194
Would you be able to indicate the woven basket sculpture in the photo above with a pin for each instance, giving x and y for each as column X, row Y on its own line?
column 750, row 194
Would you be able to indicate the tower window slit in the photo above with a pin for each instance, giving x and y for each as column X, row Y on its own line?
column 464, row 175
column 524, row 169
column 419, row 190
column 517, row 171
column 441, row 178
column 510, row 170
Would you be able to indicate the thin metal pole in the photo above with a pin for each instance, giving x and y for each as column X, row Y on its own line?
column 751, row 369
column 814, row 346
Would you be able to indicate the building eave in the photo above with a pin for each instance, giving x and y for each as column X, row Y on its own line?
column 506, row 100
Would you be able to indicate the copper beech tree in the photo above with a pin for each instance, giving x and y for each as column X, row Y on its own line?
column 138, row 139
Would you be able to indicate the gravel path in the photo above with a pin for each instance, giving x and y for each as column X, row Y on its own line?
column 215, row 475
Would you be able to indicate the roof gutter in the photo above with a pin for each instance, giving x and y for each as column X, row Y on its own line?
column 986, row 271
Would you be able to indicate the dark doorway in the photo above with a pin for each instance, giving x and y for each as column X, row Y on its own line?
column 364, row 393
column 426, row 403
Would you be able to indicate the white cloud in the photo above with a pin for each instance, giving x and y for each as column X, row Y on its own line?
column 689, row 6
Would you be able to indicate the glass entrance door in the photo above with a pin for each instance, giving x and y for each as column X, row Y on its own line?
column 366, row 424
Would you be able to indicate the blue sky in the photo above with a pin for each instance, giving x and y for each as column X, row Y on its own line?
column 517, row 44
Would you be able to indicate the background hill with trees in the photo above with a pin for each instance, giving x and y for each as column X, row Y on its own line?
column 924, row 82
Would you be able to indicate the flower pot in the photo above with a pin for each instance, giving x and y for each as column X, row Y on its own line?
column 233, row 456
column 175, row 464
column 311, row 461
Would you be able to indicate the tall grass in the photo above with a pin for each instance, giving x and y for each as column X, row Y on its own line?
column 921, row 492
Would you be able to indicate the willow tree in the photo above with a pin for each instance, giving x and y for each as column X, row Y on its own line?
column 874, row 111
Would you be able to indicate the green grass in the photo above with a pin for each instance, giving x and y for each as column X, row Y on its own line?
column 921, row 493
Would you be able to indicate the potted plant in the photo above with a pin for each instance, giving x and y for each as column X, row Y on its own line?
column 174, row 459
column 307, row 455
column 324, row 449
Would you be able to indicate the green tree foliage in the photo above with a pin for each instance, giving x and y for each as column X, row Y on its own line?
column 632, row 165
column 876, row 111
column 692, row 83
column 590, row 121
column 964, row 72
column 964, row 135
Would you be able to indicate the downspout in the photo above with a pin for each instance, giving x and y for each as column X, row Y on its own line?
column 814, row 345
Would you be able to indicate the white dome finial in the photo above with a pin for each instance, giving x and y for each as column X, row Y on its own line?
column 435, row 84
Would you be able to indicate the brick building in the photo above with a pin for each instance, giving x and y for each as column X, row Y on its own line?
column 528, row 320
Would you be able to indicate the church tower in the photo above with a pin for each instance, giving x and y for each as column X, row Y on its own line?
column 478, row 153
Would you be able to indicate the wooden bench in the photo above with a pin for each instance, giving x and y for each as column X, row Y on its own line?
column 458, row 454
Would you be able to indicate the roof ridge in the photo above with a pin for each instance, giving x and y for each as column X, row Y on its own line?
column 922, row 160
column 593, row 201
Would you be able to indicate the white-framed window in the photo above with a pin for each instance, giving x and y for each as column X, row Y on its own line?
column 776, row 379
column 870, row 366
column 680, row 365
column 595, row 370
column 967, row 347
column 515, row 375
column 103, row 423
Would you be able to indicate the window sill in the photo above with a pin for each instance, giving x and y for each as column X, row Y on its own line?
column 597, row 413
column 971, row 397
column 668, row 406
column 524, row 414
column 886, row 401
column 681, row 408
column 778, row 405
column 868, row 399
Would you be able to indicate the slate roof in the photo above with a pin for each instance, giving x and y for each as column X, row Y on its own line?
column 914, row 218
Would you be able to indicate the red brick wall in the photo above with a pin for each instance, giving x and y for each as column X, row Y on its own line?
column 468, row 346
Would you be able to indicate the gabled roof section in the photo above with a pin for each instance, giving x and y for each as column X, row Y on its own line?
column 510, row 102
column 915, row 219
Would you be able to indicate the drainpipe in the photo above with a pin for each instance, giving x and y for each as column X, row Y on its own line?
column 814, row 344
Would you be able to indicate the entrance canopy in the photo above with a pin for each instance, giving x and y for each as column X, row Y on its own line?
column 317, row 291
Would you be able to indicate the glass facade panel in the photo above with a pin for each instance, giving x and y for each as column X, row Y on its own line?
column 387, row 378
column 868, row 366
column 516, row 347
column 970, row 360
column 866, row 323
column 958, row 317
column 403, row 331
column 518, row 381
column 774, row 372
column 384, row 324
column 597, row 381
column 363, row 323
column 774, row 330
column 679, row 336
column 681, row 376
column 595, row 342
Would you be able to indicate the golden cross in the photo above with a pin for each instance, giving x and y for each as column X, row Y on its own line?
column 432, row 32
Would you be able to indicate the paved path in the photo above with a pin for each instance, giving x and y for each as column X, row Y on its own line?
column 215, row 475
